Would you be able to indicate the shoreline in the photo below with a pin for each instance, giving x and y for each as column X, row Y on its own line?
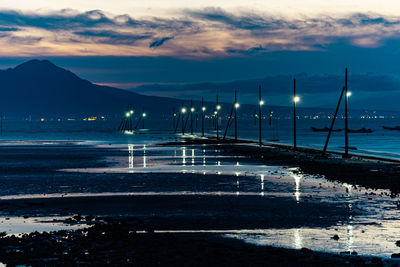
column 167, row 212
column 368, row 171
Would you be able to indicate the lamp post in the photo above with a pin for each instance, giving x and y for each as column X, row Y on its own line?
column 346, row 129
column 143, row 117
column 191, row 117
column 295, row 100
column 173, row 117
column 218, row 107
column 260, row 103
column 183, row 111
column 236, row 107
column 203, row 109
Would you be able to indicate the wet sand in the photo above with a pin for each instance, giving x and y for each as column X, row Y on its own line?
column 36, row 170
column 363, row 170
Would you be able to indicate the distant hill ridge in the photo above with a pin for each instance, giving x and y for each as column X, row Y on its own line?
column 40, row 88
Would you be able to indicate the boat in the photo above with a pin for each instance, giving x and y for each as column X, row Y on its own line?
column 325, row 129
column 362, row 130
column 395, row 128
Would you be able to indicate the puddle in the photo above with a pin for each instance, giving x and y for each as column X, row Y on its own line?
column 20, row 225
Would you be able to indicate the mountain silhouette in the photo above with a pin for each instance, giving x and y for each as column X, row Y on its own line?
column 40, row 88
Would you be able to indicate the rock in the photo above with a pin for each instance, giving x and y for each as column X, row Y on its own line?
column 398, row 243
column 396, row 256
column 306, row 251
column 335, row 237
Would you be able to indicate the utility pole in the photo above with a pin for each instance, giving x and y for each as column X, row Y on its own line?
column 259, row 114
column 346, row 129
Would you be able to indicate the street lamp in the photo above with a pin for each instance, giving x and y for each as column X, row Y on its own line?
column 218, row 107
column 261, row 102
column 236, row 107
column 203, row 109
column 295, row 100
column 183, row 111
column 346, row 125
column 191, row 117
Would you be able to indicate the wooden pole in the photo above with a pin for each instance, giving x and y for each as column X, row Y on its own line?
column 236, row 107
column 143, row 116
column 191, row 117
column 259, row 114
column 217, row 118
column 333, row 122
column 346, row 129
column 183, row 120
column 202, row 116
column 294, row 114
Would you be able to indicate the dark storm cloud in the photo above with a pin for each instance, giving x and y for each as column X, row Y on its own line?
column 160, row 42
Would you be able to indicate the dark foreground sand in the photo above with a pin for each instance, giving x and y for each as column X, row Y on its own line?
column 122, row 241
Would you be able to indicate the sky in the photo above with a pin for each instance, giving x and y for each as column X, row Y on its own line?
column 129, row 43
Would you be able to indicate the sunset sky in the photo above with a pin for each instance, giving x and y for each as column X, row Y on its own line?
column 126, row 43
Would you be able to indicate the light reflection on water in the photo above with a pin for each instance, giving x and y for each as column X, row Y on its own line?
column 359, row 233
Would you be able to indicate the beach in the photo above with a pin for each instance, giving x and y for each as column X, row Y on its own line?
column 220, row 196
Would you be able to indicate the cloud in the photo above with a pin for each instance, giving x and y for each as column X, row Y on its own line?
column 208, row 32
column 111, row 37
column 281, row 84
column 160, row 42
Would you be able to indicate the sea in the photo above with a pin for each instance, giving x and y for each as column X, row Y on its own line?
column 381, row 142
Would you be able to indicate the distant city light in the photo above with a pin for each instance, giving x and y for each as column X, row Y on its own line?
column 261, row 102
column 131, row 111
column 348, row 94
column 128, row 114
column 191, row 109
column 215, row 112
column 296, row 99
column 183, row 110
column 237, row 105
column 218, row 107
column 144, row 114
column 203, row 108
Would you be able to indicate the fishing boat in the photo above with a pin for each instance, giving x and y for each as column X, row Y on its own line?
column 362, row 130
column 325, row 129
column 395, row 128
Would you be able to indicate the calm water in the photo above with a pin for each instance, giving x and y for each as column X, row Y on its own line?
column 384, row 142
